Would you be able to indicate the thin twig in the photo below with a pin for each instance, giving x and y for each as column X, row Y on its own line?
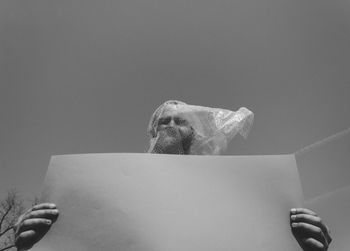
column 6, row 230
column 4, row 216
column 8, row 247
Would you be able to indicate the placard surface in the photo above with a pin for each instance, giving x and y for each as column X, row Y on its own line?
column 146, row 202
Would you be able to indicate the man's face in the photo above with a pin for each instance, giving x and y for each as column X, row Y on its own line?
column 174, row 132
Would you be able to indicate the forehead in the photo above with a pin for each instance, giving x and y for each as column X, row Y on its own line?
column 170, row 111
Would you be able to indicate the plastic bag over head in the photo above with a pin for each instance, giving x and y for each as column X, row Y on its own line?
column 178, row 128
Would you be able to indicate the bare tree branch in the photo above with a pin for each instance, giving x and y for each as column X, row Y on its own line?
column 6, row 230
column 10, row 209
column 8, row 247
column 4, row 216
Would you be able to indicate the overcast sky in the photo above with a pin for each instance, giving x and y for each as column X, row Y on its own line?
column 84, row 76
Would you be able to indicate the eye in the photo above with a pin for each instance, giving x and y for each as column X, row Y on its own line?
column 180, row 121
column 164, row 121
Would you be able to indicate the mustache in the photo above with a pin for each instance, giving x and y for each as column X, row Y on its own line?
column 170, row 131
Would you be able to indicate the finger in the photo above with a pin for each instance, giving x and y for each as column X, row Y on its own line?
column 302, row 211
column 328, row 235
column 312, row 244
column 50, row 214
column 43, row 206
column 26, row 240
column 306, row 230
column 38, row 207
column 312, row 219
column 39, row 225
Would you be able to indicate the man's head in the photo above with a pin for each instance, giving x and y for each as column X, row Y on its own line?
column 169, row 130
column 178, row 128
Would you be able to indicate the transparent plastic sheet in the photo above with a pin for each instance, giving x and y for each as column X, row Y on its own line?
column 178, row 128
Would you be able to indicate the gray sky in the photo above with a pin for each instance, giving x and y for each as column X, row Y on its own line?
column 84, row 76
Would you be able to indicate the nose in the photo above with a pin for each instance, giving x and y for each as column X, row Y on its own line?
column 172, row 123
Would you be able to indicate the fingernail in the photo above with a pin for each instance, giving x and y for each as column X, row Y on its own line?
column 48, row 222
column 55, row 212
column 294, row 224
column 293, row 217
column 293, row 210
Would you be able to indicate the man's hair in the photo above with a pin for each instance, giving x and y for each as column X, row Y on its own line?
column 151, row 129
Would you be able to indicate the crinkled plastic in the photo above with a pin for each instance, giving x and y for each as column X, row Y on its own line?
column 213, row 128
